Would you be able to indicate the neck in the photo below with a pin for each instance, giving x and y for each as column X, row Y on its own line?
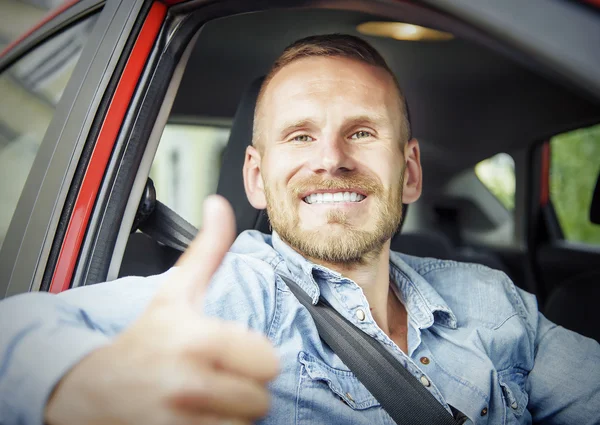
column 373, row 276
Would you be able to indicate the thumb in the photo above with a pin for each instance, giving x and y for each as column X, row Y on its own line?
column 206, row 252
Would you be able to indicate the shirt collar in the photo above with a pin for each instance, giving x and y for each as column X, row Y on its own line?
column 302, row 270
column 423, row 303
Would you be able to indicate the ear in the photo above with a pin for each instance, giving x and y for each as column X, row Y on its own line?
column 253, row 182
column 413, row 173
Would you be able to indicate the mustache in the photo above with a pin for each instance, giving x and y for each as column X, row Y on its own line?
column 365, row 183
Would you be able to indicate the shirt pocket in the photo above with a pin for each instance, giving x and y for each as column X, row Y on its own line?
column 331, row 395
column 512, row 382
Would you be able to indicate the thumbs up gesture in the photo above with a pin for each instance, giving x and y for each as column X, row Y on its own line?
column 173, row 365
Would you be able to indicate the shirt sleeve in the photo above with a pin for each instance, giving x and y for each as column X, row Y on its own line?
column 42, row 336
column 564, row 385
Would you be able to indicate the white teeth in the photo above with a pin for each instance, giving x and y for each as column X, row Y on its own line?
column 320, row 198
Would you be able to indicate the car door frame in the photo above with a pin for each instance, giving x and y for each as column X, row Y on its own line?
column 48, row 202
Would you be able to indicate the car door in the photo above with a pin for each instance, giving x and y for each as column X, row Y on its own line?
column 57, row 169
column 565, row 242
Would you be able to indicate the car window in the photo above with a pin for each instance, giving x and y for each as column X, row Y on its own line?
column 574, row 168
column 35, row 83
column 186, row 167
column 17, row 17
column 498, row 175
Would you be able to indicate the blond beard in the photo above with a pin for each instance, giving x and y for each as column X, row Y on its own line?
column 344, row 243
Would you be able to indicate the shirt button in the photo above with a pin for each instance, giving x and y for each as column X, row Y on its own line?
column 360, row 314
column 484, row 411
column 424, row 360
column 425, row 381
column 514, row 405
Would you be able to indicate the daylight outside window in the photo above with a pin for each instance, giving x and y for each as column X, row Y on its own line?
column 574, row 169
column 186, row 167
column 498, row 175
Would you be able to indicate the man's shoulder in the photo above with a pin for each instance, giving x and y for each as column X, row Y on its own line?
column 474, row 291
column 251, row 257
column 244, row 289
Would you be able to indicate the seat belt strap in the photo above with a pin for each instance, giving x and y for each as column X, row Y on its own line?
column 402, row 395
column 169, row 228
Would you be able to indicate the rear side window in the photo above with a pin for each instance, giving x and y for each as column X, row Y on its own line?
column 186, row 167
column 498, row 176
column 29, row 92
column 574, row 168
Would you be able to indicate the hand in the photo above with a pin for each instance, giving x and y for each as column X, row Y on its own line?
column 173, row 365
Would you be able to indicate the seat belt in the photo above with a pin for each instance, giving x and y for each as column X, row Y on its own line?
column 402, row 395
column 161, row 223
column 169, row 228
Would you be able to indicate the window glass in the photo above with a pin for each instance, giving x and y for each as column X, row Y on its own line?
column 498, row 175
column 29, row 92
column 186, row 167
column 574, row 168
column 17, row 17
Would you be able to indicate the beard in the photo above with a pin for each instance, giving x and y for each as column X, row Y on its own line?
column 342, row 242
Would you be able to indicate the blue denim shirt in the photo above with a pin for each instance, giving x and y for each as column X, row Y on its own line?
column 475, row 340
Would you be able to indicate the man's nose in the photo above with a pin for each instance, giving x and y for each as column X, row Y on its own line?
column 333, row 156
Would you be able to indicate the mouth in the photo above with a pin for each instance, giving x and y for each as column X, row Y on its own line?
column 333, row 198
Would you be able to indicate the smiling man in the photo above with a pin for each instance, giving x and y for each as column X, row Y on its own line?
column 332, row 161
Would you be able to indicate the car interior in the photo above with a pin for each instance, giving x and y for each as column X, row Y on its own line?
column 469, row 99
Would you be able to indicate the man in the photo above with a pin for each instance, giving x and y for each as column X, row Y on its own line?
column 332, row 161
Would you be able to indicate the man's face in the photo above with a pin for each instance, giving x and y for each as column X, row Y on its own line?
column 332, row 162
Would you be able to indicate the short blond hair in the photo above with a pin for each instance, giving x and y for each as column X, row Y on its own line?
column 332, row 45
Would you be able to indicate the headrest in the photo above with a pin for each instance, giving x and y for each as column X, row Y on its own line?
column 231, row 181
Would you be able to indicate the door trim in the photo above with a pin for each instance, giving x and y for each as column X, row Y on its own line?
column 84, row 204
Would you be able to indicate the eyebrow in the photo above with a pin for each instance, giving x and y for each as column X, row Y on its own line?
column 294, row 125
column 376, row 119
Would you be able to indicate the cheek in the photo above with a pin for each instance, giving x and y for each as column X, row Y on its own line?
column 276, row 175
column 281, row 168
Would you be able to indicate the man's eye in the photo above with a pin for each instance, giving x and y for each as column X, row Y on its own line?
column 361, row 134
column 303, row 138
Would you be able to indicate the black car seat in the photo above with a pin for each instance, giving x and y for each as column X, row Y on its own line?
column 231, row 181
column 574, row 304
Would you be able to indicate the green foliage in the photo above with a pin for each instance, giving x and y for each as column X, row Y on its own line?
column 574, row 168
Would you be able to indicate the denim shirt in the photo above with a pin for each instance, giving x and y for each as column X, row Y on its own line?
column 476, row 341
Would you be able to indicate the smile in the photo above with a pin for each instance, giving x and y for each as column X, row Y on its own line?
column 331, row 198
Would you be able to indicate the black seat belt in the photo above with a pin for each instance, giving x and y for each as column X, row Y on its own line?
column 161, row 223
column 402, row 395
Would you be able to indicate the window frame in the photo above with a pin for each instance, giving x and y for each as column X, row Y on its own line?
column 44, row 207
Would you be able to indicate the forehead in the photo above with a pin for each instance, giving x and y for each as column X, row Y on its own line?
column 322, row 81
